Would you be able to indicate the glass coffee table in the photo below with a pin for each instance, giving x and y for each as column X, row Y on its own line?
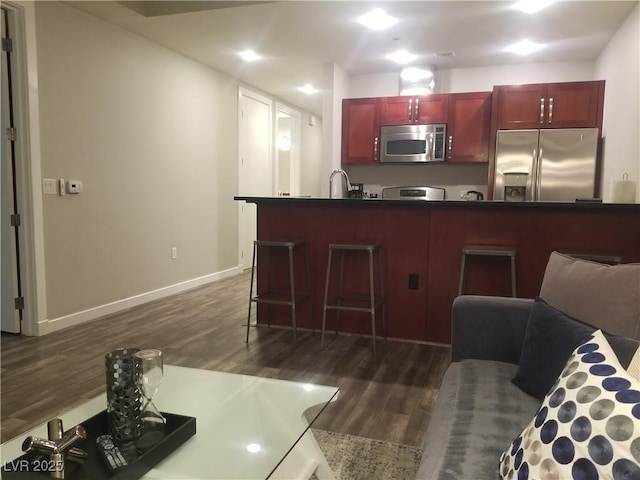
column 246, row 427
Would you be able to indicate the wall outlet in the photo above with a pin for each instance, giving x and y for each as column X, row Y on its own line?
column 413, row 281
column 174, row 253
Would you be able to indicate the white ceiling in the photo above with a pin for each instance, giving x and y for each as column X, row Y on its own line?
column 295, row 38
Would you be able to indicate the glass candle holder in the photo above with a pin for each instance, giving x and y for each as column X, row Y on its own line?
column 124, row 398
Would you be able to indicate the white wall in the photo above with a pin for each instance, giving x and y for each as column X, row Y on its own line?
column 150, row 133
column 335, row 88
column 311, row 161
column 479, row 79
column 618, row 64
column 153, row 136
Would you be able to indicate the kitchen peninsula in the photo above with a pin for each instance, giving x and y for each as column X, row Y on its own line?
column 425, row 239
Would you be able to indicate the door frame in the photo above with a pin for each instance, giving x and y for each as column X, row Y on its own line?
column 243, row 232
column 28, row 167
column 294, row 153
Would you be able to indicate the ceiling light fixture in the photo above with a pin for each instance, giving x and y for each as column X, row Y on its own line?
column 417, row 80
column 415, row 74
column 308, row 89
column 249, row 56
column 524, row 47
column 402, row 57
column 376, row 19
column 531, row 6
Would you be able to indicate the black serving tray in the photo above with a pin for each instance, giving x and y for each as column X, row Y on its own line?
column 178, row 430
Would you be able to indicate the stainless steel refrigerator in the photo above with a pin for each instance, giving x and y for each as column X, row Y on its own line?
column 555, row 165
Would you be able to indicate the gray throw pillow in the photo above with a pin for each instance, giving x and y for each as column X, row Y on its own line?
column 605, row 296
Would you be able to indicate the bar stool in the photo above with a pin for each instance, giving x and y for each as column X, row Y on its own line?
column 274, row 297
column 372, row 300
column 487, row 251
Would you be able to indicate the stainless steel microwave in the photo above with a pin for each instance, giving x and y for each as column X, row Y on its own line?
column 412, row 143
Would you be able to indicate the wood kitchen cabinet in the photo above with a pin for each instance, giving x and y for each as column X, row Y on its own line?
column 468, row 127
column 422, row 109
column 549, row 105
column 360, row 130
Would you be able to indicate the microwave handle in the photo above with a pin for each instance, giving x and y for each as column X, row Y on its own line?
column 409, row 111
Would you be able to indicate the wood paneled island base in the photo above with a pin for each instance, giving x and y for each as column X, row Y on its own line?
column 425, row 239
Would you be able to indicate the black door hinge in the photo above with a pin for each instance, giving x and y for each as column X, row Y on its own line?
column 19, row 302
column 15, row 220
column 7, row 45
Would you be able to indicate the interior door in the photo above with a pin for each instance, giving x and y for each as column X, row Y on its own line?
column 255, row 177
column 9, row 258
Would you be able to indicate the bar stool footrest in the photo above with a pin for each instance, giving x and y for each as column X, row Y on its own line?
column 283, row 298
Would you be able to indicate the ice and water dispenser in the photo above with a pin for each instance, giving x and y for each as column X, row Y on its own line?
column 515, row 187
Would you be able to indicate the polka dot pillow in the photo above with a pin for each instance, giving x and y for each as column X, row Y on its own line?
column 588, row 425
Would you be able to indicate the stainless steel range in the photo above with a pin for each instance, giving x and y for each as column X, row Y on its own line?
column 413, row 193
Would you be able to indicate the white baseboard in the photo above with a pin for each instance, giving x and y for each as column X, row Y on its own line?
column 54, row 324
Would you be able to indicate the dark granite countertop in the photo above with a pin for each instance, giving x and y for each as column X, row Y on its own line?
column 377, row 202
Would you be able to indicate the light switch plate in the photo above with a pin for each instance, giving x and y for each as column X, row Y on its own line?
column 49, row 186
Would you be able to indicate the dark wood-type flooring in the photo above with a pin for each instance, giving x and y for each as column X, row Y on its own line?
column 386, row 397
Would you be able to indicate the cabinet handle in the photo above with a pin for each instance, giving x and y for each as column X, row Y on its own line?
column 550, row 109
column 375, row 148
column 542, row 110
column 410, row 109
column 417, row 109
column 450, row 145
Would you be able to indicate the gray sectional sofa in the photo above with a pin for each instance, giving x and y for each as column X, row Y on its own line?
column 499, row 342
column 479, row 411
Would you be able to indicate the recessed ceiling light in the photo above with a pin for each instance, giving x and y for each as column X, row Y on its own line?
column 377, row 19
column 402, row 57
column 308, row 89
column 249, row 56
column 524, row 47
column 531, row 6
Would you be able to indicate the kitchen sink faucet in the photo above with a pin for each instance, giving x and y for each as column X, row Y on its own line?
column 347, row 185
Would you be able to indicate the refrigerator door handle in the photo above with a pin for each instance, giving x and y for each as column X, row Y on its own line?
column 538, row 174
column 531, row 194
column 541, row 111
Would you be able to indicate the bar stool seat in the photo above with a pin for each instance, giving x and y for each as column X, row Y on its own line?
column 356, row 303
column 271, row 296
column 487, row 251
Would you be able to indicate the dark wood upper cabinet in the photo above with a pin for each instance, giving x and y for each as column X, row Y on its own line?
column 468, row 127
column 360, row 130
column 421, row 109
column 576, row 104
column 552, row 105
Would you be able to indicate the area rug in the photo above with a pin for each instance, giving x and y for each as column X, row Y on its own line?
column 359, row 458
